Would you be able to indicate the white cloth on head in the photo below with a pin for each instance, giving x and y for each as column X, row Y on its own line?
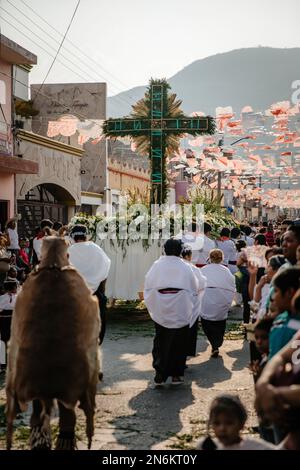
column 219, row 293
column 91, row 262
column 171, row 310
column 14, row 239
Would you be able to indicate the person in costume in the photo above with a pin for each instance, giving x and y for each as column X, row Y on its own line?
column 93, row 264
column 171, row 293
column 187, row 254
column 217, row 299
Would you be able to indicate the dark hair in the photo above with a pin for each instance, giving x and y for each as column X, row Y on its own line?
column 276, row 261
column 57, row 226
column 287, row 279
column 10, row 285
column 261, row 239
column 225, row 232
column 173, row 247
column 235, row 232
column 262, row 230
column 46, row 223
column 247, row 230
column 265, row 224
column 78, row 233
column 296, row 231
column 207, row 227
column 186, row 251
column 265, row 324
column 10, row 223
column 229, row 404
column 240, row 244
column 287, row 222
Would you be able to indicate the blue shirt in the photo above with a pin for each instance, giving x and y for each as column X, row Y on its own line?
column 281, row 333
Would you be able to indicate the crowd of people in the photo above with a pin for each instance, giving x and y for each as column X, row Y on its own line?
column 256, row 266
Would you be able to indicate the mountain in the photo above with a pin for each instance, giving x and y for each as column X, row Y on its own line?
column 257, row 76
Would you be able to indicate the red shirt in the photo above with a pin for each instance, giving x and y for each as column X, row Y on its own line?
column 24, row 256
column 270, row 238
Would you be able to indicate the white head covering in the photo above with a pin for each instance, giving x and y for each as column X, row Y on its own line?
column 219, row 292
column 91, row 261
column 171, row 310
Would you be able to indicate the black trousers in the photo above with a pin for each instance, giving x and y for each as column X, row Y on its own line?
column 102, row 305
column 214, row 331
column 169, row 350
column 192, row 344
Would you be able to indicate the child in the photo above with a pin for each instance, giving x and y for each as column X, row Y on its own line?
column 286, row 322
column 227, row 418
column 261, row 335
column 7, row 304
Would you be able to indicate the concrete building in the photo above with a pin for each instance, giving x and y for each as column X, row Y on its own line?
column 55, row 191
column 14, row 62
column 107, row 168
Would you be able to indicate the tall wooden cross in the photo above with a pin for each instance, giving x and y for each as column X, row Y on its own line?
column 156, row 127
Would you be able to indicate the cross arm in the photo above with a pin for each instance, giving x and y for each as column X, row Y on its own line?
column 126, row 127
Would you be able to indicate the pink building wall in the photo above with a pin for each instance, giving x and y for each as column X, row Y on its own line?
column 7, row 192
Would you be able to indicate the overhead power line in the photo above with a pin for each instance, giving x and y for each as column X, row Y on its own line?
column 116, row 88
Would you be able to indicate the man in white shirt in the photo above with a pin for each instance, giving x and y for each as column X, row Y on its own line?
column 229, row 250
column 46, row 226
column 200, row 257
column 11, row 230
column 93, row 264
column 170, row 293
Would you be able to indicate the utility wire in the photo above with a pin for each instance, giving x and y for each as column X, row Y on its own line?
column 117, row 88
column 121, row 100
column 61, row 44
column 45, row 50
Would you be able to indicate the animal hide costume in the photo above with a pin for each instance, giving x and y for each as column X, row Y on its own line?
column 53, row 352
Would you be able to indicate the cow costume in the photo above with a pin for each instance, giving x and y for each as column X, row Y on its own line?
column 53, row 352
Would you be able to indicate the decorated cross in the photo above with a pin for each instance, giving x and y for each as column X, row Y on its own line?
column 156, row 125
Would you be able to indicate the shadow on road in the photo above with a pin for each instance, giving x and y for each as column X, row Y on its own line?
column 157, row 416
column 210, row 372
column 241, row 356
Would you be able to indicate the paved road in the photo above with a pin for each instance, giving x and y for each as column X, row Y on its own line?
column 133, row 414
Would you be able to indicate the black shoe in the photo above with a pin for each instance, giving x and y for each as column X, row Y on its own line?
column 158, row 379
column 215, row 353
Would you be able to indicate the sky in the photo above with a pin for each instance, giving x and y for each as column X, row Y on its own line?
column 126, row 42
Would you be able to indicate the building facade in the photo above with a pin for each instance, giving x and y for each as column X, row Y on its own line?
column 108, row 168
column 13, row 60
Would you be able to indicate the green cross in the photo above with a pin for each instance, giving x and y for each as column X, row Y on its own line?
column 157, row 127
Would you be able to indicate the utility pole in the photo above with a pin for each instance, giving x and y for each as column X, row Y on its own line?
column 219, row 184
